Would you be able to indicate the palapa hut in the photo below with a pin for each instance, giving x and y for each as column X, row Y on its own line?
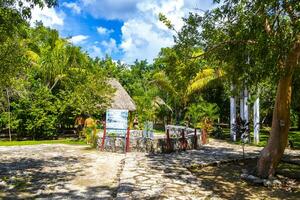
column 121, row 99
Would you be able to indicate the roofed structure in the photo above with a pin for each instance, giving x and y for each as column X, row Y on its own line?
column 121, row 99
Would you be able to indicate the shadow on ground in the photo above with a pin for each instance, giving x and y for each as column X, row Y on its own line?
column 221, row 180
column 29, row 178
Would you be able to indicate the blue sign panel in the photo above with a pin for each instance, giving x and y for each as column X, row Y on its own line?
column 116, row 122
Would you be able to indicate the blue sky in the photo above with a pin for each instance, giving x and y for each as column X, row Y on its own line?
column 124, row 29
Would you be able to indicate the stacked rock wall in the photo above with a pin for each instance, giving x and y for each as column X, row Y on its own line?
column 155, row 145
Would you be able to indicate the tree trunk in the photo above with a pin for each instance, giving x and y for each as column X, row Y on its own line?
column 8, row 102
column 271, row 154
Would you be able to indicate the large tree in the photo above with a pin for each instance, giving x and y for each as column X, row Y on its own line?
column 182, row 74
column 13, row 24
column 257, row 40
column 61, row 82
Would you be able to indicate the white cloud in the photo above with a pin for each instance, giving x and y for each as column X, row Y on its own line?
column 73, row 6
column 126, row 9
column 78, row 39
column 110, row 46
column 142, row 34
column 140, row 41
column 49, row 16
column 96, row 52
column 104, row 31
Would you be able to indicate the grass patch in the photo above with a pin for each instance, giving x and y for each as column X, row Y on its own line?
column 294, row 136
column 36, row 142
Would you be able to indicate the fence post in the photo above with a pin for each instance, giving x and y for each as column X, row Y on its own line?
column 127, row 140
column 183, row 140
column 168, row 141
column 195, row 139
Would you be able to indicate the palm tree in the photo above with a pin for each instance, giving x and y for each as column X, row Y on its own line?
column 203, row 79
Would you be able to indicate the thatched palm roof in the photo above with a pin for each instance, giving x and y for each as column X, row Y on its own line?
column 121, row 99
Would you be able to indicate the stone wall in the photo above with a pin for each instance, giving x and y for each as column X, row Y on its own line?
column 155, row 145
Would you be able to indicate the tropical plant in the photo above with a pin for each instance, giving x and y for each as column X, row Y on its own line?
column 202, row 114
column 257, row 40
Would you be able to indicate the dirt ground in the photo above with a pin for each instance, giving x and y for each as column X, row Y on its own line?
column 57, row 172
column 225, row 181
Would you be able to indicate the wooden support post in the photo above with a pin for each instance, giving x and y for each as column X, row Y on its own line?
column 195, row 140
column 168, row 141
column 127, row 140
column 103, row 138
column 183, row 141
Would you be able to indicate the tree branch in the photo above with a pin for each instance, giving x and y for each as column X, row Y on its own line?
column 293, row 59
column 267, row 27
column 222, row 44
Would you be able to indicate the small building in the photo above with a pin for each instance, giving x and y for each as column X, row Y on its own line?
column 121, row 99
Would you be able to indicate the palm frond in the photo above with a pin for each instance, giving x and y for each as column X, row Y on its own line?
column 162, row 81
column 203, row 78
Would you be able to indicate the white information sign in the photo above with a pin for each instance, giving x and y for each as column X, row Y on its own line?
column 116, row 119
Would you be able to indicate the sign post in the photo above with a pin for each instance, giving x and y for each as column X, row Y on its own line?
column 116, row 126
column 103, row 137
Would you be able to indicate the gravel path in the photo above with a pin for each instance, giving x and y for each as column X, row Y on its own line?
column 58, row 172
column 76, row 172
column 165, row 176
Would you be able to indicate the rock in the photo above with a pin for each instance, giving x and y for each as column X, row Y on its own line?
column 258, row 181
column 251, row 177
column 267, row 183
column 39, row 192
column 272, row 183
column 277, row 183
column 244, row 176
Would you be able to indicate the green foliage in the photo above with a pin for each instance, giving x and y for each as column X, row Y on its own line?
column 137, row 79
column 202, row 114
column 49, row 81
column 252, row 38
column 57, row 81
column 294, row 118
column 174, row 72
column 203, row 79
column 37, row 112
column 250, row 41
column 165, row 20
